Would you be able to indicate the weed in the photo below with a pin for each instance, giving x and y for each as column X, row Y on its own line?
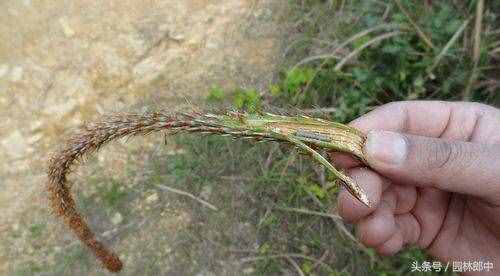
column 393, row 69
column 36, row 230
column 247, row 99
column 216, row 94
column 113, row 194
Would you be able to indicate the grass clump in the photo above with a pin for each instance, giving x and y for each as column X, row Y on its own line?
column 275, row 206
column 401, row 67
column 346, row 57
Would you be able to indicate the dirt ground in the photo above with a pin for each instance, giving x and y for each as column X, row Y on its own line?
column 65, row 62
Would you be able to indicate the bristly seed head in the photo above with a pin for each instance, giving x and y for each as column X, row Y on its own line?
column 260, row 127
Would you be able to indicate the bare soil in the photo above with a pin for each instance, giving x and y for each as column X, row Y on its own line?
column 66, row 62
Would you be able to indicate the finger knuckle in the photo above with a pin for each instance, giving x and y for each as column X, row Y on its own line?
column 439, row 155
column 445, row 155
column 393, row 106
column 481, row 107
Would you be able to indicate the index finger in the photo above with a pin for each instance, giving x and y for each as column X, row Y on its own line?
column 452, row 120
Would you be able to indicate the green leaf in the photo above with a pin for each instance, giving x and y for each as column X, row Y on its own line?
column 216, row 94
column 360, row 41
column 247, row 99
column 275, row 90
column 307, row 267
column 317, row 190
column 296, row 78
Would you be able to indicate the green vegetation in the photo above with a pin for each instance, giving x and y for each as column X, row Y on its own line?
column 350, row 56
column 398, row 64
column 36, row 230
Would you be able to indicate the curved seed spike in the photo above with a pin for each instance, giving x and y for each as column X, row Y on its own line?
column 350, row 185
column 261, row 127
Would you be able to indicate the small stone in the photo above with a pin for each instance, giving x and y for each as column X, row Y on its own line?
column 67, row 30
column 16, row 74
column 177, row 36
column 15, row 143
column 36, row 125
column 152, row 198
column 35, row 138
column 107, row 234
column 206, row 192
column 117, row 218
column 248, row 270
column 4, row 69
column 211, row 45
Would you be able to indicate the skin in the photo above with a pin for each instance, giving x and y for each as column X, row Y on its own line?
column 434, row 180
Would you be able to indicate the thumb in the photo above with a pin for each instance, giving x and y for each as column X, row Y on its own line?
column 454, row 166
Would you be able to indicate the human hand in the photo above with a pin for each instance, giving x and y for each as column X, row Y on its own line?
column 434, row 180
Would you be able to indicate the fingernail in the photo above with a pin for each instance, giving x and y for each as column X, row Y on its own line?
column 386, row 147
